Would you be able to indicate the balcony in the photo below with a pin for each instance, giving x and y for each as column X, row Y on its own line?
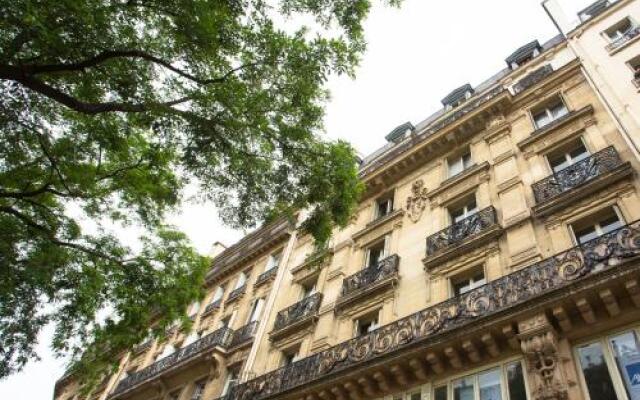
column 266, row 276
column 630, row 34
column 244, row 335
column 369, row 280
column 585, row 270
column 236, row 293
column 297, row 315
column 220, row 338
column 579, row 180
column 211, row 307
column 469, row 233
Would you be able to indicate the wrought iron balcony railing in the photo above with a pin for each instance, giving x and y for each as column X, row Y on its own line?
column 305, row 308
column 212, row 306
column 627, row 36
column 576, row 175
column 462, row 230
column 221, row 337
column 244, row 334
column 266, row 275
column 369, row 276
column 529, row 283
column 236, row 293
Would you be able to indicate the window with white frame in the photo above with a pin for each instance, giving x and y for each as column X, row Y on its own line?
column 619, row 30
column 609, row 367
column 567, row 155
column 463, row 210
column 596, row 225
column 290, row 355
column 504, row 382
column 194, row 308
column 309, row 288
column 634, row 64
column 191, row 338
column 384, row 206
column 549, row 112
column 230, row 381
column 459, row 163
column 377, row 251
column 467, row 280
column 198, row 390
column 242, row 280
column 226, row 321
column 256, row 310
column 217, row 295
column 273, row 261
column 367, row 323
column 166, row 351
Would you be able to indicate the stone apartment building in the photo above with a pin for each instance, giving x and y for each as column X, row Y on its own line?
column 495, row 255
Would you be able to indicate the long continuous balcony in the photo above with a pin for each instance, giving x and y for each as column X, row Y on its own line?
column 245, row 334
column 626, row 37
column 470, row 232
column 370, row 279
column 303, row 311
column 219, row 338
column 579, row 180
column 592, row 261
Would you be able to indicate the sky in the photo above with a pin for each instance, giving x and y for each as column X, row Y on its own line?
column 416, row 55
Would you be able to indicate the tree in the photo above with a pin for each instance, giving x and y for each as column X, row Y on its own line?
column 109, row 107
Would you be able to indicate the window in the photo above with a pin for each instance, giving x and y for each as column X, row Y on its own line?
column 194, row 308
column 467, row 209
column 548, row 113
column 594, row 226
column 609, row 367
column 384, row 206
column 568, row 155
column 198, row 390
column 290, row 356
column 175, row 395
column 217, row 295
column 376, row 252
column 468, row 280
column 193, row 336
column 274, row 261
column 619, row 30
column 226, row 321
column 459, row 163
column 242, row 280
column 366, row 324
column 505, row 382
column 256, row 310
column 308, row 289
column 634, row 64
column 229, row 381
column 167, row 351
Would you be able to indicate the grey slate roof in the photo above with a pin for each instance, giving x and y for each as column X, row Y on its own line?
column 457, row 94
column 523, row 52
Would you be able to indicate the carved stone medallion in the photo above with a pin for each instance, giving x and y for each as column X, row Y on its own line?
column 417, row 201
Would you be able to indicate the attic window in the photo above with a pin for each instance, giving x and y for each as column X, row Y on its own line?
column 593, row 10
column 524, row 54
column 457, row 96
column 400, row 132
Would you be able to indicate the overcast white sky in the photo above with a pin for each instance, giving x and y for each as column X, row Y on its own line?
column 417, row 54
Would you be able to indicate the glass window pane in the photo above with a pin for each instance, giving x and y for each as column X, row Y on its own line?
column 579, row 153
column 596, row 373
column 463, row 389
column 415, row 396
column 440, row 393
column 489, row 383
column 586, row 234
column 627, row 355
column 515, row 382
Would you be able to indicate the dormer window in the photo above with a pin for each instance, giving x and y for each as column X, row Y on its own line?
column 458, row 96
column 384, row 206
column 524, row 54
column 593, row 10
column 549, row 112
column 399, row 133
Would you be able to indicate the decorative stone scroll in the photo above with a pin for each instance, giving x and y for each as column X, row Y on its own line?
column 417, row 201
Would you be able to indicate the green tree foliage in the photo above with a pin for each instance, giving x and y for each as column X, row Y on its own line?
column 109, row 107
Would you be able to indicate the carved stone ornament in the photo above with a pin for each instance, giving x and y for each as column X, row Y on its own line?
column 540, row 346
column 417, row 201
